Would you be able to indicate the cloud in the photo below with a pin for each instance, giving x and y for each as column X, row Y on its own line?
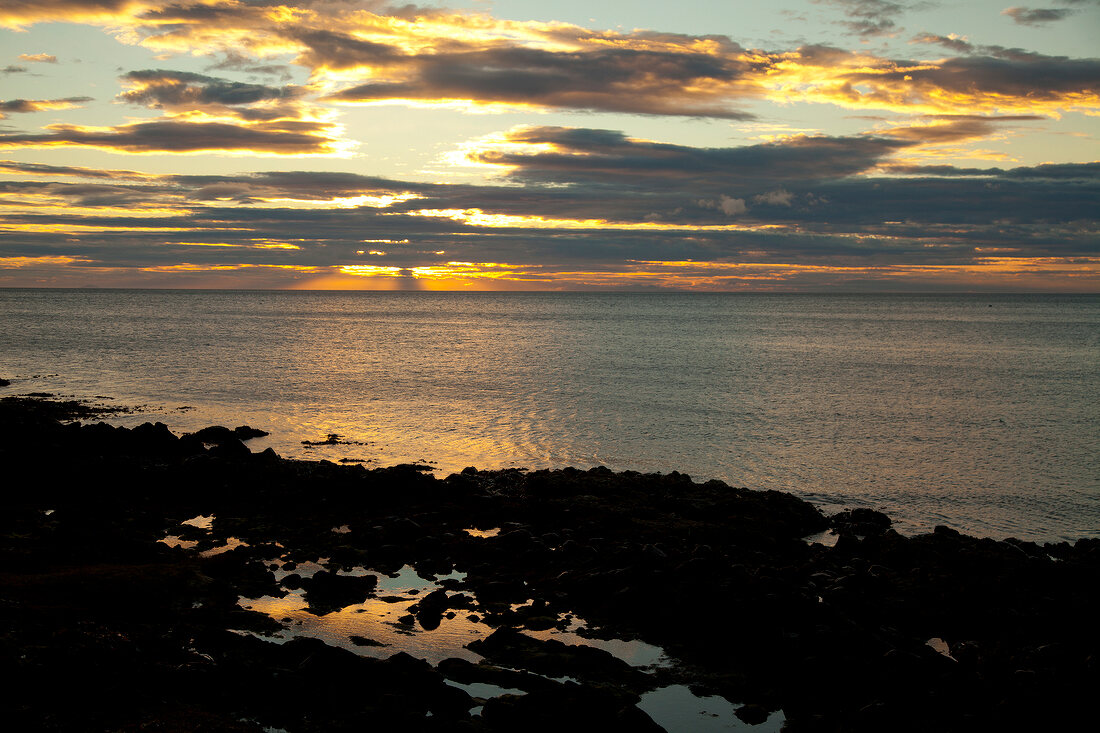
column 1037, row 16
column 900, row 228
column 579, row 155
column 778, row 197
column 13, row 166
column 182, row 90
column 610, row 80
column 235, row 61
column 955, row 128
column 378, row 54
column 10, row 69
column 870, row 17
column 24, row 106
column 282, row 137
column 42, row 58
column 21, row 13
column 955, row 43
column 1024, row 82
column 727, row 205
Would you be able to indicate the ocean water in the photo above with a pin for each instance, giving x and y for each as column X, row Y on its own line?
column 981, row 412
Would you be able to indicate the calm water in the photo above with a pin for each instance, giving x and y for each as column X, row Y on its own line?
column 980, row 412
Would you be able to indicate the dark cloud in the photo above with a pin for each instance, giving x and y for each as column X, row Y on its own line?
column 332, row 50
column 1037, row 16
column 1054, row 171
column 232, row 60
column 66, row 170
column 179, row 136
column 13, row 70
column 160, row 89
column 870, row 17
column 610, row 80
column 1023, row 76
column 955, row 128
column 854, row 221
column 606, row 156
column 39, row 105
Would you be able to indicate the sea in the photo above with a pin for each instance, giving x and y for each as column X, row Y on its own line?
column 978, row 412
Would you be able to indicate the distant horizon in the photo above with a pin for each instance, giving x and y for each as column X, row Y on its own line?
column 667, row 291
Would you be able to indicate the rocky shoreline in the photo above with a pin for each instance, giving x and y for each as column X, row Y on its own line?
column 107, row 626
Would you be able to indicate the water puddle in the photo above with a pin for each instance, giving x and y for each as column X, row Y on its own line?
column 679, row 710
column 380, row 626
column 827, row 538
column 634, row 652
column 204, row 523
column 484, row 690
column 483, row 533
column 940, row 646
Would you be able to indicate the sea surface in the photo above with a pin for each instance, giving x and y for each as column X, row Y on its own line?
column 980, row 412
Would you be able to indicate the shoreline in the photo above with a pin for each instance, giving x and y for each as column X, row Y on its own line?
column 720, row 578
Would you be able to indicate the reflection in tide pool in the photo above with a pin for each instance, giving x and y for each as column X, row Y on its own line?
column 376, row 620
column 634, row 652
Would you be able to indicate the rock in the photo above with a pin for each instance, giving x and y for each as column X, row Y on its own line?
column 327, row 592
column 213, row 434
column 230, row 449
column 244, row 432
column 552, row 658
column 861, row 521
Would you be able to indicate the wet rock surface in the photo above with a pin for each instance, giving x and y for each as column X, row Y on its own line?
column 105, row 627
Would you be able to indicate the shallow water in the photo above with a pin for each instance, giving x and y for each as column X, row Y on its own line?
column 978, row 412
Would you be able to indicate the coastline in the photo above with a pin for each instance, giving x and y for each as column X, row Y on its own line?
column 98, row 606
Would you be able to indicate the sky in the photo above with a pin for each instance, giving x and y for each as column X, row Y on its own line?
column 714, row 145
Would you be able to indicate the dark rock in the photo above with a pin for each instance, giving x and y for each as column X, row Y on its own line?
column 327, row 592
column 552, row 658
column 244, row 432
column 92, row 603
column 861, row 521
column 213, row 434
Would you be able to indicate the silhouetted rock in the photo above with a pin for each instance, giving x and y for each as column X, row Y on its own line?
column 326, row 592
column 861, row 521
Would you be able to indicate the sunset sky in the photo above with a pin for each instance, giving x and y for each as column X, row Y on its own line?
column 512, row 145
